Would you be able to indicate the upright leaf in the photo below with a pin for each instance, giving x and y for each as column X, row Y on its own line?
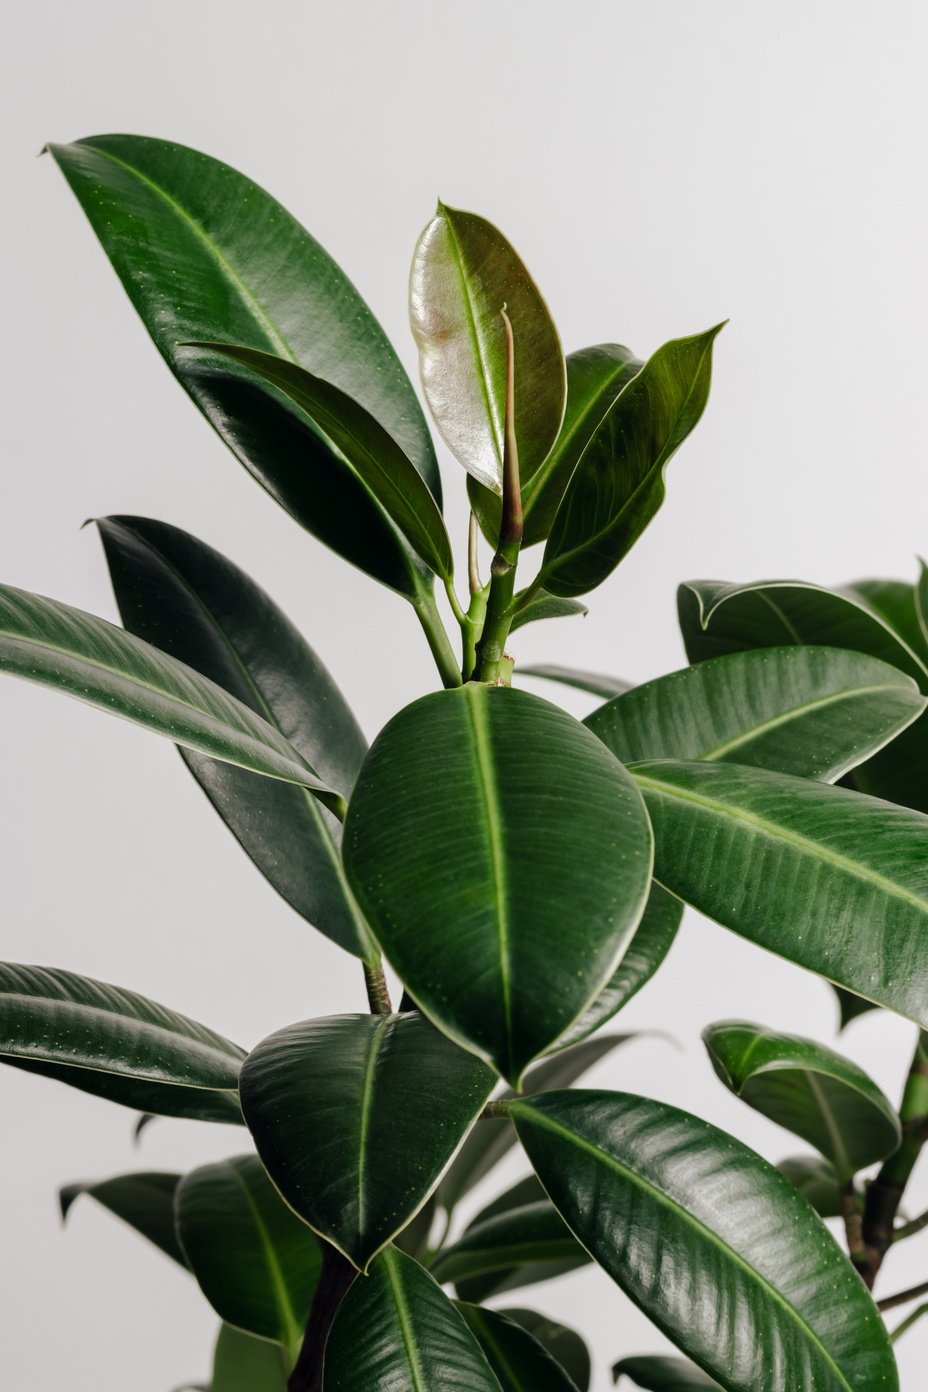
column 618, row 483
column 810, row 1090
column 256, row 1262
column 564, row 1344
column 83, row 656
column 830, row 879
column 192, row 603
column 116, row 1045
column 463, row 273
column 520, row 1362
column 339, row 1106
column 715, row 1246
column 397, row 1330
column 145, row 1201
column 657, row 1374
column 243, row 1363
column 502, row 857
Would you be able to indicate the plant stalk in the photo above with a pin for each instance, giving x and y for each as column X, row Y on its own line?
column 438, row 641
column 902, row 1297
column 885, row 1193
column 334, row 1280
column 378, row 993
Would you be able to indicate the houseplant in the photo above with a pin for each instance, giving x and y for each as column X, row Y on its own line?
column 523, row 872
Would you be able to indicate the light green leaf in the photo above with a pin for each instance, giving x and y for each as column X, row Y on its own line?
column 145, row 1201
column 520, row 1362
column 547, row 607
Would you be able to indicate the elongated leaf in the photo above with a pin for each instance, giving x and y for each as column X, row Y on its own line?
column 534, row 1235
column 192, row 603
column 520, row 1362
column 547, row 607
column 463, row 273
column 816, row 1180
column 116, row 1045
column 657, row 1374
column 337, row 1107
column 594, row 682
column 715, row 1246
column 371, row 450
column 811, row 1090
column 903, row 1328
column 77, row 653
column 850, row 1006
column 502, row 857
column 896, row 601
column 203, row 253
column 145, row 1201
column 397, row 1330
column 243, row 1363
column 618, row 483
column 827, row 878
column 256, row 1262
column 814, row 712
column 564, row 1344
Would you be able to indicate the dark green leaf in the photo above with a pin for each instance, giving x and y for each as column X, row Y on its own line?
column 188, row 600
column 657, row 1374
column 339, row 1106
column 816, row 1180
column 520, row 1362
column 593, row 682
column 710, row 1241
column 813, row 712
column 464, row 273
column 145, row 1201
column 533, row 1236
column 414, row 1238
column 547, row 607
column 527, row 1192
column 116, row 1045
column 563, row 1343
column 396, row 1331
column 243, row 1363
column 77, row 653
column 827, row 878
column 500, row 818
column 256, row 1262
column 618, row 483
column 810, row 1090
column 921, row 606
column 850, row 1006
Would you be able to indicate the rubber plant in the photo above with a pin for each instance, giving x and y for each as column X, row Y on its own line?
column 524, row 873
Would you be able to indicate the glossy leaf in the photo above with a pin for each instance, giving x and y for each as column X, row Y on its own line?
column 532, row 1237
column 809, row 1089
column 817, row 1182
column 658, row 1374
column 203, row 253
column 594, row 682
column 116, row 1044
column 243, row 1363
column 547, row 607
column 356, row 1118
column 827, row 878
column 371, row 450
column 77, row 653
column 396, row 1331
column 185, row 598
column 502, row 857
column 520, row 1362
column 850, row 1006
column 618, row 483
column 256, row 1262
column 463, row 273
column 710, row 1241
column 564, row 1344
column 145, row 1201
column 813, row 712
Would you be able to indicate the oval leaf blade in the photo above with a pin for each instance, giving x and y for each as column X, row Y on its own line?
column 256, row 1262
column 715, row 1246
column 396, row 1331
column 502, row 858
column 194, row 604
column 520, row 1362
column 116, row 1044
column 463, row 273
column 810, row 1090
column 145, row 1201
column 337, row 1106
column 830, row 879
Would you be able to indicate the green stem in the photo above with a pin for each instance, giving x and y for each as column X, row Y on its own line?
column 378, row 994
column 885, row 1193
column 472, row 628
column 438, row 640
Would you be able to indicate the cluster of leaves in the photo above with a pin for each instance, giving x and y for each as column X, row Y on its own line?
column 523, row 872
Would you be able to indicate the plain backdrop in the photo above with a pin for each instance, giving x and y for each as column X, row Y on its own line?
column 660, row 167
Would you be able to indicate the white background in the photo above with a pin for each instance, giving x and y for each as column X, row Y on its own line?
column 660, row 167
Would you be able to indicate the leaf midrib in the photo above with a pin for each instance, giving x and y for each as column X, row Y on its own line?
column 406, row 1330
column 367, row 1104
column 483, row 375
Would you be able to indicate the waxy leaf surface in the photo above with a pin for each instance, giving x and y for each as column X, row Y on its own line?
column 357, row 1117
column 563, row 1343
column 502, row 857
column 715, row 1246
column 116, row 1044
column 528, row 1244
column 657, row 1374
column 191, row 602
column 547, row 607
column 145, row 1201
column 520, row 1362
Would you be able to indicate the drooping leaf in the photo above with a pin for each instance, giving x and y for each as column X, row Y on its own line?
column 808, row 1089
column 547, row 607
column 243, row 1363
column 830, row 879
column 520, row 1362
column 813, row 712
column 850, row 1006
column 618, row 483
column 145, row 1201
column 715, row 1246
column 256, row 1262
column 594, row 682
column 77, row 653
column 203, row 253
column 817, row 1182
column 397, row 1330
column 370, row 449
column 502, row 857
column 563, row 1343
column 658, row 1374
column 188, row 600
column 532, row 1240
column 463, row 273
column 356, row 1118
column 116, row 1044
